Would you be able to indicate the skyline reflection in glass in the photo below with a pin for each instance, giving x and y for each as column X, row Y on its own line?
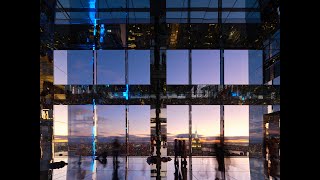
column 111, row 123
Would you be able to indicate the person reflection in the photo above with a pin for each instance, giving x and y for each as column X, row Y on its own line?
column 115, row 173
column 180, row 150
column 220, row 154
column 81, row 174
column 176, row 160
column 115, row 151
column 184, row 160
column 102, row 158
column 154, row 159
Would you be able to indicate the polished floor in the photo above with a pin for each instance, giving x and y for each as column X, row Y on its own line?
column 205, row 168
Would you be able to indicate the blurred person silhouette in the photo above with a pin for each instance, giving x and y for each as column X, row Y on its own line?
column 57, row 165
column 220, row 153
column 153, row 144
column 177, row 153
column 184, row 160
column 102, row 158
column 115, row 151
column 81, row 174
column 154, row 159
column 80, row 151
column 115, row 173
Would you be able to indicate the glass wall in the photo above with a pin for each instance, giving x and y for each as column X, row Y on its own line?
column 111, row 67
column 108, row 86
column 177, row 67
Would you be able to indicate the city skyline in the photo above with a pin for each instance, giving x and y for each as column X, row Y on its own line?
column 206, row 120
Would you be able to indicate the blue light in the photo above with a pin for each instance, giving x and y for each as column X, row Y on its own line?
column 93, row 142
column 93, row 132
column 126, row 93
column 92, row 15
column 242, row 98
column 102, row 32
column 233, row 94
column 93, row 164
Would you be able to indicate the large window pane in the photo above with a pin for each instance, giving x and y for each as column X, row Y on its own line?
column 236, row 70
column 111, row 123
column 177, row 122
column 205, row 67
column 111, row 67
column 139, row 66
column 236, row 123
column 139, row 130
column 60, row 129
column 80, row 123
column 205, row 128
column 60, row 121
column 60, row 70
column 80, row 67
column 177, row 67
column 255, row 67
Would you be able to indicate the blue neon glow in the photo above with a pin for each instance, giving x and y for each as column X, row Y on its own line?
column 126, row 93
column 102, row 32
column 93, row 164
column 242, row 98
column 92, row 14
column 93, row 132
column 93, row 142
column 234, row 94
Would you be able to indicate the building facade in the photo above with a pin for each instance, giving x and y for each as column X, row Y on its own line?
column 147, row 72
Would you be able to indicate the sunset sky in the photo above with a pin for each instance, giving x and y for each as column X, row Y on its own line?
column 111, row 120
column 75, row 67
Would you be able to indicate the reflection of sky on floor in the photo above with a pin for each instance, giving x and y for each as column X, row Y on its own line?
column 202, row 168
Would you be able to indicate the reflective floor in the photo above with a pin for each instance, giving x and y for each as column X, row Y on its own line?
column 237, row 168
